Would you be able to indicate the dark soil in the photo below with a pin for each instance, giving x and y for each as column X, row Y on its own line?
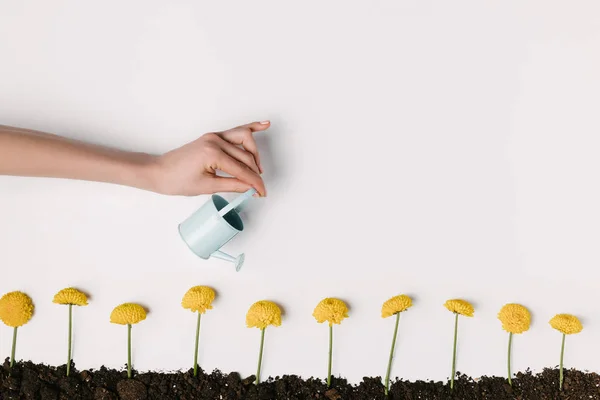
column 41, row 382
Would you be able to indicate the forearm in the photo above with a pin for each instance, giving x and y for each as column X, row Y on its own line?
column 30, row 153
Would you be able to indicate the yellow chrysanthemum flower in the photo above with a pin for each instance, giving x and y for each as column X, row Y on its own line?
column 395, row 305
column 459, row 306
column 515, row 318
column 16, row 309
column 566, row 323
column 331, row 310
column 127, row 314
column 262, row 314
column 198, row 298
column 70, row 296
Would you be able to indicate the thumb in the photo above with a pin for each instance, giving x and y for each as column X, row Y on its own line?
column 224, row 184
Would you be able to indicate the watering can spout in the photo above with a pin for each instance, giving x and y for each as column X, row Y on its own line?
column 237, row 261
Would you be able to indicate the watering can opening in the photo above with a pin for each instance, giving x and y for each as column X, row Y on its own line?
column 232, row 217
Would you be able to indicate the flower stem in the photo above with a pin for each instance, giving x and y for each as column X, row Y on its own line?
column 562, row 353
column 128, row 350
column 509, row 346
column 69, row 342
column 389, row 368
column 14, row 346
column 454, row 351
column 260, row 353
column 330, row 355
column 196, row 348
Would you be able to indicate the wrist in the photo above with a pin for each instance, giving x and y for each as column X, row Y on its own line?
column 144, row 172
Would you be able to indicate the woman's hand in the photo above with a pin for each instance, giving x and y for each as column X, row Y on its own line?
column 191, row 169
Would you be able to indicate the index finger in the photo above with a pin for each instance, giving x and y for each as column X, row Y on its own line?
column 256, row 126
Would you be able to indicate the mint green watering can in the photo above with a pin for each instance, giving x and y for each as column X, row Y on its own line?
column 213, row 225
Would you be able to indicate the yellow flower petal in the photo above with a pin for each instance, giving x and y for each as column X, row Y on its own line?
column 395, row 305
column 515, row 318
column 459, row 306
column 16, row 309
column 127, row 314
column 566, row 323
column 70, row 296
column 262, row 314
column 198, row 298
column 331, row 310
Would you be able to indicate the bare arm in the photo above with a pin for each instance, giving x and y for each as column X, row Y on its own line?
column 188, row 170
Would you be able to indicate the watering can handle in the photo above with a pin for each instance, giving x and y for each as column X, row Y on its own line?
column 237, row 202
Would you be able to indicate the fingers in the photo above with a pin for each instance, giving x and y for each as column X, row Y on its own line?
column 239, row 170
column 249, row 144
column 240, row 155
column 242, row 135
column 222, row 184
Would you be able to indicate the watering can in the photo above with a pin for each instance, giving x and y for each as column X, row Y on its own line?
column 213, row 225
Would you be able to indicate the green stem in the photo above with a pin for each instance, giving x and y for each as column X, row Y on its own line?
column 128, row 350
column 260, row 353
column 389, row 368
column 509, row 346
column 454, row 351
column 14, row 346
column 330, row 355
column 70, row 330
column 562, row 353
column 196, row 348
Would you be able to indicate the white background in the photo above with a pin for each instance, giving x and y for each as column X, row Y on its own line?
column 438, row 149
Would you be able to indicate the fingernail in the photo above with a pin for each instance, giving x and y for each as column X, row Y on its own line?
column 265, row 122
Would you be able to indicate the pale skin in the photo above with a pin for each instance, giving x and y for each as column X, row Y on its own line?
column 189, row 170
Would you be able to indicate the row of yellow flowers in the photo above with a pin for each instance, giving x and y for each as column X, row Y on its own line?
column 16, row 309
